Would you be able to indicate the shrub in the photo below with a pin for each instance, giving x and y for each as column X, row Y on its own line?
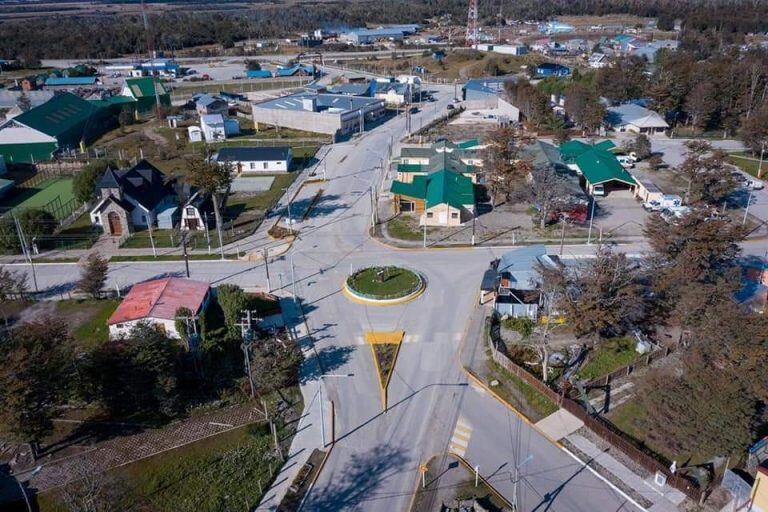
column 522, row 325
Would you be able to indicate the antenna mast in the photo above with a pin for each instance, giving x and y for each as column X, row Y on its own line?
column 472, row 34
column 151, row 50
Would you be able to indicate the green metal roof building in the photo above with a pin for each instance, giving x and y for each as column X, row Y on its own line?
column 143, row 91
column 65, row 121
column 573, row 148
column 599, row 167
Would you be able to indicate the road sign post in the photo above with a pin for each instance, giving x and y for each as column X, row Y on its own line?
column 423, row 470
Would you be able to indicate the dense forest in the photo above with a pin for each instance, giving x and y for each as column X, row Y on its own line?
column 708, row 24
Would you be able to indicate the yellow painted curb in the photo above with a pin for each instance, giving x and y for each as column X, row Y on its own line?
column 383, row 385
column 482, row 478
column 376, row 337
column 349, row 294
column 511, row 407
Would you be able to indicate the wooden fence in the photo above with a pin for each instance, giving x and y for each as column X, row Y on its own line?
column 648, row 460
column 640, row 362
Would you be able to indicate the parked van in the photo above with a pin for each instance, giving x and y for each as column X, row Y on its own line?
column 626, row 161
column 665, row 202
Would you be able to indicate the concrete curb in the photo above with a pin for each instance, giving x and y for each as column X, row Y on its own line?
column 482, row 478
column 418, row 484
column 354, row 297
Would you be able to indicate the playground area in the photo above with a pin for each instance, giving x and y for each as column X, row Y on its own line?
column 53, row 195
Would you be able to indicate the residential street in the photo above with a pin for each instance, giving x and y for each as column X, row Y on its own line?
column 373, row 465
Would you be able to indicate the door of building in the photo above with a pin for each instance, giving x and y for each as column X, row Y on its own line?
column 192, row 223
column 115, row 227
column 442, row 218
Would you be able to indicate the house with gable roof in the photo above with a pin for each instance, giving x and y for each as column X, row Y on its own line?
column 134, row 197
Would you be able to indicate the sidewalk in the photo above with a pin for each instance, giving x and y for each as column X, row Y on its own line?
column 308, row 433
column 473, row 356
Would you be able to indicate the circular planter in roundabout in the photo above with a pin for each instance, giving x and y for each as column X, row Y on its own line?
column 384, row 286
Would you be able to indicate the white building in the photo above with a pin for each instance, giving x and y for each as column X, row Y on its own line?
column 157, row 302
column 256, row 159
column 216, row 127
column 195, row 134
column 636, row 119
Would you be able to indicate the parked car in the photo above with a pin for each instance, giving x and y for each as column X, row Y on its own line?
column 666, row 201
column 598, row 190
column 755, row 184
column 673, row 214
column 626, row 161
column 450, row 107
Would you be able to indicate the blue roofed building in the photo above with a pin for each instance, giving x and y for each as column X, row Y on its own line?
column 368, row 36
column 67, row 82
column 518, row 283
column 297, row 70
column 552, row 69
column 354, row 89
column 258, row 73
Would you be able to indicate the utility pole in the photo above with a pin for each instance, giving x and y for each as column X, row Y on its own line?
column 473, row 229
column 562, row 235
column 246, row 332
column 760, row 166
column 266, row 267
column 746, row 210
column 184, row 251
column 425, row 232
column 152, row 240
column 25, row 250
column 591, row 219
column 293, row 279
column 150, row 50
column 207, row 234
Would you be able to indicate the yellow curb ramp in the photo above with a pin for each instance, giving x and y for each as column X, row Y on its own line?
column 351, row 295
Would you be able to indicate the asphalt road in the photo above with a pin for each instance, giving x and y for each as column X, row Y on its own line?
column 374, row 463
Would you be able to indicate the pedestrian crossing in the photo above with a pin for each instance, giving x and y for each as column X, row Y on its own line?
column 460, row 438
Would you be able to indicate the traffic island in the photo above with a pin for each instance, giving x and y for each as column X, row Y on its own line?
column 384, row 286
column 385, row 347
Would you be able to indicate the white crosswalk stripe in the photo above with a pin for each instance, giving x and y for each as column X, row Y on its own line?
column 460, row 438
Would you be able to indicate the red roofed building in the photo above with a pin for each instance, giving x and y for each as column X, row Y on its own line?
column 156, row 302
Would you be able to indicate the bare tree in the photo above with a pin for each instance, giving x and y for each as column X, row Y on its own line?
column 546, row 190
column 214, row 179
column 89, row 489
column 503, row 168
column 709, row 178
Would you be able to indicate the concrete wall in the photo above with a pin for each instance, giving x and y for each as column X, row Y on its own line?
column 298, row 120
column 117, row 331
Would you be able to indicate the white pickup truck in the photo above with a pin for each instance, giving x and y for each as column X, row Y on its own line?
column 664, row 202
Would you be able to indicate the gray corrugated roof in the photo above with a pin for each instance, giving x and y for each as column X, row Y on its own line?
column 323, row 102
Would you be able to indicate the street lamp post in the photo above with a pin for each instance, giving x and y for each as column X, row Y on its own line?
column 517, row 478
column 760, row 166
column 746, row 210
column 24, row 492
column 591, row 219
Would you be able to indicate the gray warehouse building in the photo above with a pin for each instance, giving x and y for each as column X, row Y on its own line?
column 333, row 114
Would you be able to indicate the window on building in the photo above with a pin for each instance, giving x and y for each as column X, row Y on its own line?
column 454, row 215
column 265, row 165
column 430, row 215
column 119, row 326
column 253, row 166
column 190, row 211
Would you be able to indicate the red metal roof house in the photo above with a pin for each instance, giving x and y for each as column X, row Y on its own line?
column 156, row 302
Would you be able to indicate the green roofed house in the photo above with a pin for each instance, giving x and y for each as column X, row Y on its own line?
column 603, row 173
column 422, row 160
column 143, row 91
column 65, row 122
column 573, row 148
column 443, row 198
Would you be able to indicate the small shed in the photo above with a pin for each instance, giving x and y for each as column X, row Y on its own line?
column 195, row 134
column 647, row 190
column 168, row 218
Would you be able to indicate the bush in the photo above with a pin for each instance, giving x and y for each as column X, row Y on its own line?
column 522, row 325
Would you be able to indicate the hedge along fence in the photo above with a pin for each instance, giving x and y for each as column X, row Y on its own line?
column 650, row 461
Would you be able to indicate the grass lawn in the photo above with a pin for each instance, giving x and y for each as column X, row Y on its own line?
column 213, row 474
column 395, row 282
column 260, row 200
column 406, row 227
column 520, row 394
column 162, row 237
column 87, row 319
column 746, row 165
column 41, row 194
column 81, row 234
column 172, row 257
column 609, row 356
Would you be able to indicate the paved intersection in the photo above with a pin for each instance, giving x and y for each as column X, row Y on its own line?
column 374, row 464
